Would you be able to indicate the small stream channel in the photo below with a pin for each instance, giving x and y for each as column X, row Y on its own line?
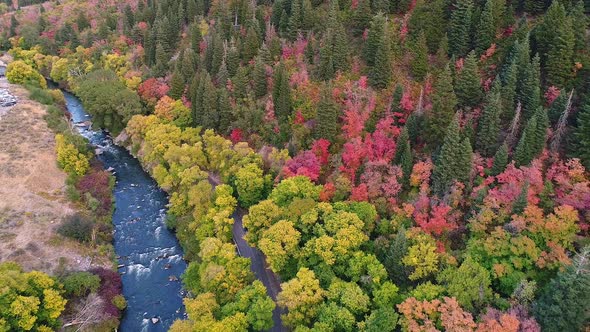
column 149, row 255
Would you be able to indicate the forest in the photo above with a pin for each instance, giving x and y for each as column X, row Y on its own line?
column 403, row 165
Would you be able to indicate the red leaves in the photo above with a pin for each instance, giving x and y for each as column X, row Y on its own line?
column 236, row 135
column 551, row 94
column 440, row 220
column 305, row 163
column 152, row 90
column 320, row 149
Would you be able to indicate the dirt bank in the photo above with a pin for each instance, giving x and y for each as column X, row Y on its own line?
column 32, row 188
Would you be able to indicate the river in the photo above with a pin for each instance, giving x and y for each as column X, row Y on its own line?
column 150, row 257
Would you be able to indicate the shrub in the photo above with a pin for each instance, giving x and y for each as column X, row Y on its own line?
column 119, row 302
column 110, row 287
column 55, row 119
column 81, row 283
column 40, row 95
column 77, row 227
column 18, row 72
column 95, row 187
column 69, row 158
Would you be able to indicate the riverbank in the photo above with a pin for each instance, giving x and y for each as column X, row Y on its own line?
column 34, row 200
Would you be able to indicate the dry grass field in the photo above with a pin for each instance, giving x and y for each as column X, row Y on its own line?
column 32, row 198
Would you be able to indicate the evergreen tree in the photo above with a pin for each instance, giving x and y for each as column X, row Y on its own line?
column 521, row 201
column 419, row 64
column 414, row 123
column 222, row 75
column 295, row 20
column 444, row 102
column 429, row 17
column 563, row 303
column 486, row 30
column 162, row 59
column 525, row 150
column 529, row 93
column 240, row 83
column 325, row 68
column 403, row 155
column 580, row 24
column 454, row 161
column 224, row 111
column 374, row 39
column 188, row 65
column 259, row 79
column 209, row 116
column 232, row 59
column 489, row 123
column 557, row 107
column 380, row 73
column 500, row 160
column 467, row 86
column 251, row 44
column 541, row 131
column 281, row 94
column 361, row 17
column 198, row 91
column 309, row 50
column 459, row 27
column 328, row 114
column 555, row 42
column 581, row 136
column 176, row 85
column 509, row 90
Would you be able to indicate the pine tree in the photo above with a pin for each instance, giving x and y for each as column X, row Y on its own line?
column 500, row 160
column 580, row 24
column 509, row 90
column 444, row 102
column 563, row 303
column 521, row 201
column 162, row 59
column 581, row 136
column 380, row 73
column 374, row 39
column 489, row 123
column 541, row 130
column 454, row 161
column 530, row 89
column 222, row 75
column 467, row 86
column 309, row 50
column 295, row 20
column 486, row 30
column 281, row 94
column 403, row 155
column 224, row 111
column 525, row 153
column 209, row 116
column 325, row 68
column 176, row 85
column 361, row 17
column 251, row 44
column 328, row 114
column 188, row 65
column 240, row 83
column 419, row 64
column 459, row 27
column 557, row 107
column 380, row 6
column 259, row 79
column 414, row 123
column 198, row 91
column 555, row 42
column 339, row 47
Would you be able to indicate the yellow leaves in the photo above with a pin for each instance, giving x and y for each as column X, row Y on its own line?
column 69, row 158
column 422, row 256
column 25, row 309
column 173, row 111
column 278, row 243
column 301, row 296
column 19, row 72
column 53, row 303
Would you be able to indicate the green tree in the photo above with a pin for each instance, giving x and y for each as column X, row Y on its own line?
column 469, row 284
column 176, row 85
column 380, row 74
column 454, row 161
column 525, row 149
column 224, row 110
column 419, row 64
column 581, row 134
column 259, row 78
column 328, row 114
column 302, row 297
column 209, row 116
column 403, row 155
column 579, row 24
column 563, row 302
column 250, row 184
column 444, row 102
column 281, row 93
column 374, row 39
column 486, row 29
column 500, row 160
column 468, row 86
column 489, row 123
column 459, row 27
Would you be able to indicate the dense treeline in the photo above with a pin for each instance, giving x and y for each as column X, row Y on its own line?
column 412, row 164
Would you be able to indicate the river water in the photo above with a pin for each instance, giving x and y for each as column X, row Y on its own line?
column 150, row 257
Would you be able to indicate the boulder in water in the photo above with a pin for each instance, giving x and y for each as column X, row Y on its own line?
column 155, row 320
